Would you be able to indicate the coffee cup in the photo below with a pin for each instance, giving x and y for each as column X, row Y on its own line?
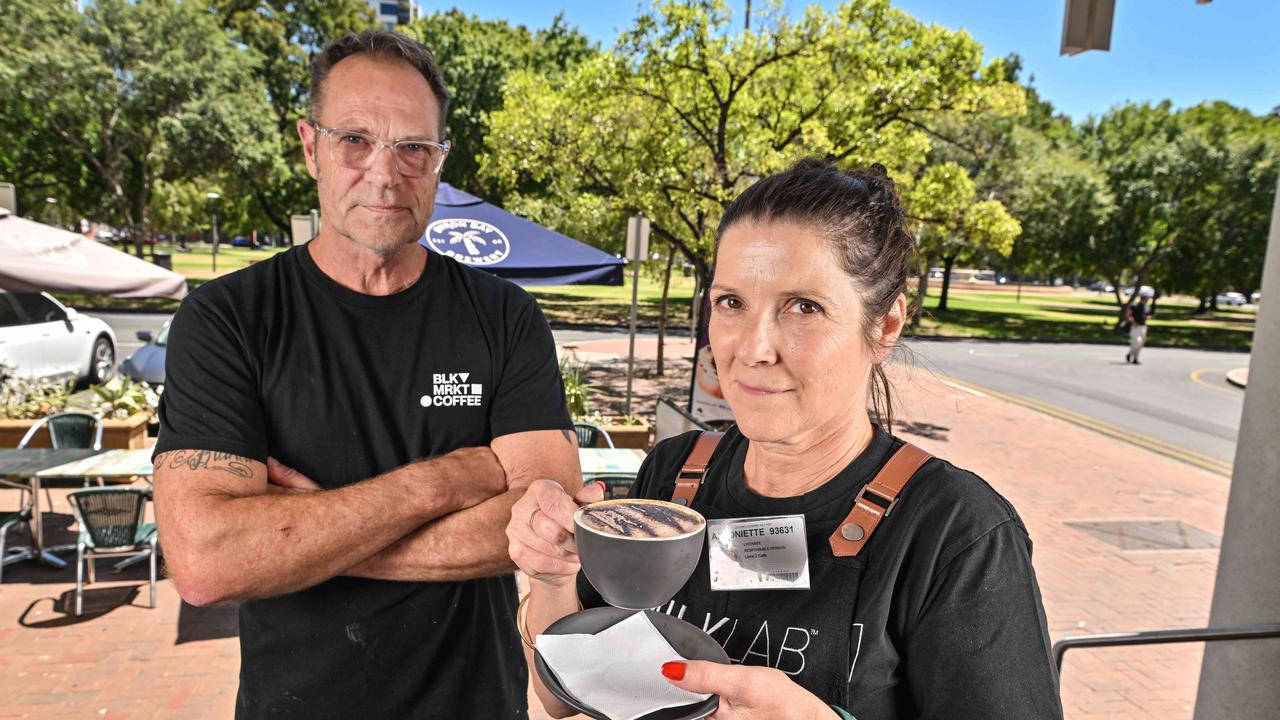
column 638, row 553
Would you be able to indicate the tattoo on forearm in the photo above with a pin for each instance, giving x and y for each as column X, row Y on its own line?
column 209, row 460
column 568, row 436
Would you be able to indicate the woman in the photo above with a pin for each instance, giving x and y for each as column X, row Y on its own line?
column 938, row 615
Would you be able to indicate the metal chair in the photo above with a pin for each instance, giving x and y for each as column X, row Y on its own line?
column 110, row 520
column 67, row 430
column 11, row 520
column 616, row 485
column 590, row 434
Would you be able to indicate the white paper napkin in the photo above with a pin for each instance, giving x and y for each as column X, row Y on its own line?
column 617, row 671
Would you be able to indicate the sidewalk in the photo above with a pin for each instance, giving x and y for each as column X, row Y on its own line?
column 1056, row 473
column 127, row 662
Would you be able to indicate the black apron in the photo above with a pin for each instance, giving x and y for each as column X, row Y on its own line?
column 811, row 635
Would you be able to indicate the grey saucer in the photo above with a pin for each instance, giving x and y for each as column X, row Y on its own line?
column 687, row 640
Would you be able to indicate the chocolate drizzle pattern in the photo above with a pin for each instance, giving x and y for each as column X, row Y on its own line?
column 640, row 520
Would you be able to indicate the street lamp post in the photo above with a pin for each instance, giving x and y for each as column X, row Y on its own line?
column 57, row 216
column 214, row 196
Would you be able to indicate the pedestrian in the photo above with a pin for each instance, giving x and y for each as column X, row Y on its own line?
column 936, row 615
column 346, row 426
column 1137, row 317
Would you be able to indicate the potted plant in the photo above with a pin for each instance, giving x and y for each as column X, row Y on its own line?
column 627, row 431
column 126, row 408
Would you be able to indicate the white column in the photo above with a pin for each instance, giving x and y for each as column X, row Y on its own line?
column 1241, row 680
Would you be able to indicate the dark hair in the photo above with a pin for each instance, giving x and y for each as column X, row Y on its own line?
column 380, row 45
column 860, row 214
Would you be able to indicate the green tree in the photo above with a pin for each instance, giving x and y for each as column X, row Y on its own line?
column 476, row 57
column 687, row 110
column 136, row 92
column 1172, row 178
column 1226, row 250
column 282, row 36
column 1030, row 163
column 953, row 224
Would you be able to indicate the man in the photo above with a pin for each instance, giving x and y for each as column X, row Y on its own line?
column 1137, row 315
column 346, row 426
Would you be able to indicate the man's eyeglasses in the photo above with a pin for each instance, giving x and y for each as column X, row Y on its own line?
column 355, row 151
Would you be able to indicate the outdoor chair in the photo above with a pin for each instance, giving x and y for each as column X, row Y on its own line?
column 11, row 520
column 616, row 485
column 67, row 430
column 590, row 435
column 110, row 520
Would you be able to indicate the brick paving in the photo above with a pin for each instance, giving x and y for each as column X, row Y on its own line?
column 123, row 661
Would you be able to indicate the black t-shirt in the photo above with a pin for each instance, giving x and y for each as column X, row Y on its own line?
column 1140, row 313
column 939, row 616
column 280, row 360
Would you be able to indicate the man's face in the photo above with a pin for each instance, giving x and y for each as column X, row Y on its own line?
column 376, row 208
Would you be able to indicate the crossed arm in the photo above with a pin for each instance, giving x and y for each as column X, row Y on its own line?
column 231, row 532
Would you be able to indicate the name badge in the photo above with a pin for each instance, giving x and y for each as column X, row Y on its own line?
column 760, row 553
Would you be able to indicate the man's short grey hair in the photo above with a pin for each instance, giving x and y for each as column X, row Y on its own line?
column 380, row 45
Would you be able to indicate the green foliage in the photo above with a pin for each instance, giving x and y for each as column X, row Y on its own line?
column 122, row 397
column 135, row 92
column 1186, row 185
column 577, row 392
column 476, row 57
column 281, row 36
column 27, row 399
column 1226, row 250
column 687, row 110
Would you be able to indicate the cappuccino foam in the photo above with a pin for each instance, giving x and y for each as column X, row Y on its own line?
column 640, row 519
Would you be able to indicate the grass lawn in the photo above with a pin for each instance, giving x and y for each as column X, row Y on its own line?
column 1081, row 317
column 609, row 305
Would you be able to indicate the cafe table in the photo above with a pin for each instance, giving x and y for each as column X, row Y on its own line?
column 24, row 464
column 609, row 461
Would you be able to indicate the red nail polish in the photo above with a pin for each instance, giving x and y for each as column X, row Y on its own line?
column 673, row 670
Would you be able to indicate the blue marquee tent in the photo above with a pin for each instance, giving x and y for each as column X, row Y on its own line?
column 486, row 237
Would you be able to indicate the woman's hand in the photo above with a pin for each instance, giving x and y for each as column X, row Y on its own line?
column 748, row 692
column 540, row 533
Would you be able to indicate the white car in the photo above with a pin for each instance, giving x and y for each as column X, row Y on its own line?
column 40, row 338
column 1232, row 298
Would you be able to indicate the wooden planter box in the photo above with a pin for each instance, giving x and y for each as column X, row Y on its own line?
column 127, row 434
column 629, row 436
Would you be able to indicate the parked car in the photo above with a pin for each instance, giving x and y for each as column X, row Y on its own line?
column 1232, row 298
column 146, row 364
column 1100, row 286
column 42, row 338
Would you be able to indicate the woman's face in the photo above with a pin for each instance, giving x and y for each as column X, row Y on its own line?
column 786, row 332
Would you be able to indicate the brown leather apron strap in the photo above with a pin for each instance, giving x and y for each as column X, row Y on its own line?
column 876, row 500
column 695, row 468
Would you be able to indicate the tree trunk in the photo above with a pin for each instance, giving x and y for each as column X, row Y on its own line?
column 1213, row 302
column 1204, row 305
column 922, row 291
column 947, row 262
column 662, row 316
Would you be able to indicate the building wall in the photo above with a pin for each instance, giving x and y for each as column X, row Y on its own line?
column 394, row 12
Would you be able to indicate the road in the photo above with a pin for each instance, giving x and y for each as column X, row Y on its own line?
column 1177, row 402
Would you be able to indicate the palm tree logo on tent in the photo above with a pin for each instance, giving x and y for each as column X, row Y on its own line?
column 471, row 242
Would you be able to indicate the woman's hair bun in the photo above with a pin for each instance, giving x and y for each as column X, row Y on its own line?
column 878, row 169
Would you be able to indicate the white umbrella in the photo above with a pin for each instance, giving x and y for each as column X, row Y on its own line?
column 35, row 257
